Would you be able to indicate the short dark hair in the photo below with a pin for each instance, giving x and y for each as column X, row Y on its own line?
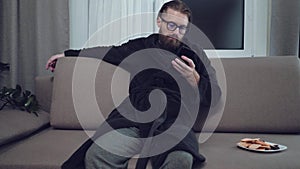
column 176, row 5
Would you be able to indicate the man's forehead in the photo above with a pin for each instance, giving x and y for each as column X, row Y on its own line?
column 175, row 16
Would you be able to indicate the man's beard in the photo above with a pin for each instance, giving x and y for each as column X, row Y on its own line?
column 170, row 41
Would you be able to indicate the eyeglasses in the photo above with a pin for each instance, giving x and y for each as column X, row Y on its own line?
column 171, row 26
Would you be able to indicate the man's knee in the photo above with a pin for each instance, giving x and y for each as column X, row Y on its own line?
column 94, row 154
column 179, row 159
column 97, row 157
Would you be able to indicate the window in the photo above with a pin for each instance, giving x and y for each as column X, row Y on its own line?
column 237, row 28
column 221, row 21
column 255, row 30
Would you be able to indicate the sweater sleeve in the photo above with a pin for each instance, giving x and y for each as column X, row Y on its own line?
column 71, row 52
column 95, row 52
column 114, row 55
column 208, row 86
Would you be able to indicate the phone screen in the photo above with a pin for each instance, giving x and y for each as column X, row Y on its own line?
column 186, row 52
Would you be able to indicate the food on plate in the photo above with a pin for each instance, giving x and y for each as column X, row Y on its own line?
column 257, row 144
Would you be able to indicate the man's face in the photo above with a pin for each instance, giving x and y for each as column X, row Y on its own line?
column 167, row 22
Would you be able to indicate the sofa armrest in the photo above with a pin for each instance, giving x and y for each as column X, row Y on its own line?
column 43, row 91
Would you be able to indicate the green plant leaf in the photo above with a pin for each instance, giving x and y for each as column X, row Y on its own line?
column 15, row 94
column 18, row 88
column 26, row 93
column 8, row 92
column 28, row 101
column 16, row 98
column 19, row 101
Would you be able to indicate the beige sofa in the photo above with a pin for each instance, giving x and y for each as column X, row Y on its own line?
column 262, row 100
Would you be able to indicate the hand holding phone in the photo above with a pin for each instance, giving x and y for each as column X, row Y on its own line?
column 184, row 51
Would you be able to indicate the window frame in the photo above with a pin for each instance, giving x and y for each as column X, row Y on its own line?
column 256, row 32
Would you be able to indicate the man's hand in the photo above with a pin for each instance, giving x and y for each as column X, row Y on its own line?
column 187, row 71
column 52, row 61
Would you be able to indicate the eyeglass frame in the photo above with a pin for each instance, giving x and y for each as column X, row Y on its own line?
column 181, row 27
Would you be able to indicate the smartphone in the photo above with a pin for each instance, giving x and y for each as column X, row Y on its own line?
column 186, row 52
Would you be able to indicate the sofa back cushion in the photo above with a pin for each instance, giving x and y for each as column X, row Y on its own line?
column 82, row 92
column 263, row 95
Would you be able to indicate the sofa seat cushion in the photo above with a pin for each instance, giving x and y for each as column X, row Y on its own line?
column 16, row 124
column 50, row 148
column 45, row 150
column 221, row 151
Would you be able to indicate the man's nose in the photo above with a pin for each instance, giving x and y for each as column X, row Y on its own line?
column 176, row 31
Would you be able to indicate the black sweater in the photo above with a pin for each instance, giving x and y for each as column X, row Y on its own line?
column 149, row 64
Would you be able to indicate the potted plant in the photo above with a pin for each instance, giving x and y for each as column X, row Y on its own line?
column 16, row 97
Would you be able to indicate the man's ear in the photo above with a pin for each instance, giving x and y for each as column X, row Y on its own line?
column 158, row 22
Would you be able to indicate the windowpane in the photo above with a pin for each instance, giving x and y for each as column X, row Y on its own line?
column 221, row 20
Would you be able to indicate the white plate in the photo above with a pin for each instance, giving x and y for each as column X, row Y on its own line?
column 281, row 148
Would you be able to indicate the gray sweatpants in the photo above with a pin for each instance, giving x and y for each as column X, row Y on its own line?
column 113, row 151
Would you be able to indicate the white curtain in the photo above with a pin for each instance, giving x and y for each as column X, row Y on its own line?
column 113, row 22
